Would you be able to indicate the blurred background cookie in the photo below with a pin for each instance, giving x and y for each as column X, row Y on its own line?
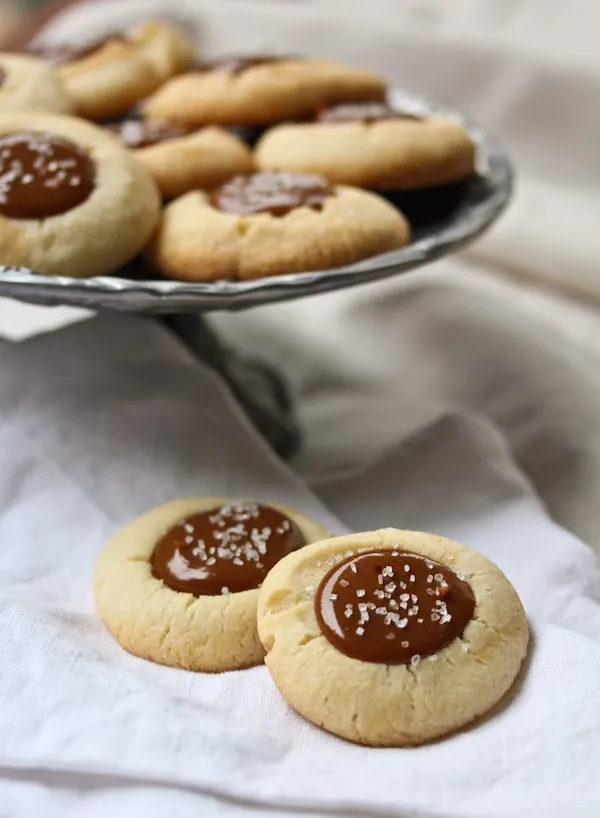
column 252, row 90
column 28, row 84
column 179, row 585
column 273, row 223
column 73, row 201
column 373, row 146
column 181, row 160
column 391, row 638
column 108, row 77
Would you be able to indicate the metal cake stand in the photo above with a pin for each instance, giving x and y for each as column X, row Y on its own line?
column 443, row 221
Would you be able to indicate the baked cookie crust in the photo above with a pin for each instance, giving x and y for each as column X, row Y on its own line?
column 201, row 160
column 150, row 620
column 198, row 242
column 28, row 84
column 399, row 154
column 123, row 70
column 381, row 704
column 102, row 233
column 265, row 92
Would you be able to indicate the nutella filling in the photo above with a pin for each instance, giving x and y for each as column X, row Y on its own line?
column 2, row 76
column 224, row 550
column 235, row 65
column 271, row 192
column 392, row 607
column 64, row 53
column 42, row 175
column 365, row 112
column 140, row 133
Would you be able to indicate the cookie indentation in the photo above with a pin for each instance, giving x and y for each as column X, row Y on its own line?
column 224, row 550
column 392, row 607
column 42, row 175
column 271, row 192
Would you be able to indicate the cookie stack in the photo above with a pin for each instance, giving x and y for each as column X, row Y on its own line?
column 235, row 168
column 386, row 638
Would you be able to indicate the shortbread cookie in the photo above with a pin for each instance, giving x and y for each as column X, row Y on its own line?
column 180, row 160
column 28, row 84
column 371, row 146
column 73, row 201
column 253, row 90
column 179, row 585
column 272, row 223
column 391, row 638
column 108, row 77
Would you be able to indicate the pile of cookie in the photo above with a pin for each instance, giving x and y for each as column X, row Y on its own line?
column 385, row 638
column 236, row 168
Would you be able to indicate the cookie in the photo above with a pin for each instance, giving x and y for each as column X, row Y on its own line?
column 73, row 202
column 272, row 223
column 180, row 160
column 28, row 84
column 108, row 77
column 391, row 638
column 371, row 146
column 179, row 585
column 253, row 90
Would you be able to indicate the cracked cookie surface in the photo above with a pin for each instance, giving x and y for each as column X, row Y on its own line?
column 269, row 224
column 329, row 653
column 209, row 622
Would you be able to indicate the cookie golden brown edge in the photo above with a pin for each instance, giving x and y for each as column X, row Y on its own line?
column 181, row 160
column 179, row 585
column 371, row 146
column 108, row 77
column 272, row 224
column 73, row 201
column 390, row 637
column 28, row 84
column 256, row 90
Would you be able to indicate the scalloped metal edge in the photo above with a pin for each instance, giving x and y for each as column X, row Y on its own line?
column 156, row 296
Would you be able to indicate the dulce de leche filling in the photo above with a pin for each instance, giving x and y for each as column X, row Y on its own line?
column 364, row 112
column 42, row 175
column 237, row 64
column 69, row 52
column 225, row 549
column 140, row 133
column 392, row 607
column 271, row 192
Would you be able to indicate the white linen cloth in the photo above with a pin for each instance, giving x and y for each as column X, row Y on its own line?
column 103, row 419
